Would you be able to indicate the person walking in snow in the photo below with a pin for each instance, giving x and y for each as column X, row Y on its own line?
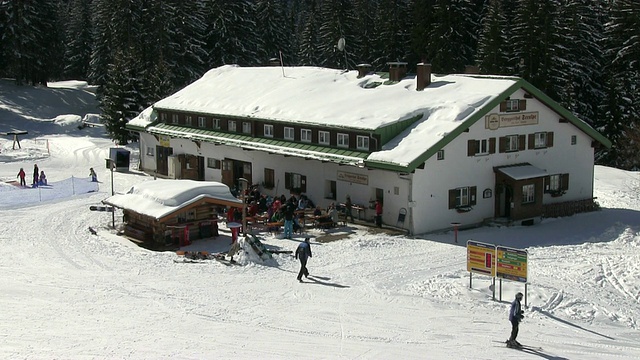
column 303, row 252
column 22, row 175
column 515, row 316
column 94, row 176
column 35, row 175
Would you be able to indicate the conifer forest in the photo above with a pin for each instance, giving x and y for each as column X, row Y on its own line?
column 585, row 54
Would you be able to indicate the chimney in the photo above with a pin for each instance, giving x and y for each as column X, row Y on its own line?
column 397, row 70
column 471, row 69
column 423, row 78
column 363, row 69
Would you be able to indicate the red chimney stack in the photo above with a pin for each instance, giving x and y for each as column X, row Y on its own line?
column 423, row 78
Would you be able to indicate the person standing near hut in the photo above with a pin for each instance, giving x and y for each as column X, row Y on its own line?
column 348, row 205
column 379, row 213
column 36, row 173
column 22, row 175
column 303, row 252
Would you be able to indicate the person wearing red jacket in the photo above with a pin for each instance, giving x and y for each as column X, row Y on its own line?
column 22, row 175
column 379, row 213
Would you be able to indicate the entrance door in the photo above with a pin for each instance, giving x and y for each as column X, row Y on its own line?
column 162, row 162
column 232, row 170
column 504, row 195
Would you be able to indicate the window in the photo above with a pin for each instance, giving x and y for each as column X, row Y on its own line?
column 511, row 143
column 574, row 139
column 362, row 142
column 305, row 135
column 268, row 131
column 163, row 117
column 528, row 194
column 246, row 127
column 513, row 105
column 202, row 122
column 295, row 183
column 482, row 147
column 440, row 155
column 150, row 151
column 232, row 125
column 343, row 140
column 554, row 182
column 540, row 140
column 269, row 178
column 288, row 133
column 462, row 197
column 174, row 118
column 213, row 163
column 323, row 137
column 188, row 121
column 216, row 124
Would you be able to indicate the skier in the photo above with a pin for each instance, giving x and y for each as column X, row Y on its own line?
column 22, row 175
column 515, row 316
column 303, row 252
column 35, row 175
column 94, row 176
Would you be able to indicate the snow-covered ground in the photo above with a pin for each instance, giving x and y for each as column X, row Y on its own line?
column 68, row 294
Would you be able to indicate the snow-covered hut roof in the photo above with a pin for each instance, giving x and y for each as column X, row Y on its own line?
column 161, row 197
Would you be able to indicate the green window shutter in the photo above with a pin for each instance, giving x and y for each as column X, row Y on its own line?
column 452, row 198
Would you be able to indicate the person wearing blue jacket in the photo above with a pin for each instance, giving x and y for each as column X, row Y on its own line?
column 515, row 316
column 303, row 252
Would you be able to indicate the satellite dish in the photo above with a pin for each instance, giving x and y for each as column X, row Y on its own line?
column 341, row 44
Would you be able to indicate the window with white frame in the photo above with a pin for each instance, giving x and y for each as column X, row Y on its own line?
column 511, row 143
column 323, row 137
column 513, row 105
column 268, row 130
column 188, row 120
column 216, row 124
column 462, row 196
column 554, row 182
column 362, row 142
column 482, row 147
column 528, row 194
column 305, row 135
column 232, row 125
column 163, row 117
column 343, row 140
column 150, row 151
column 174, row 118
column 540, row 140
column 246, row 127
column 202, row 122
column 288, row 133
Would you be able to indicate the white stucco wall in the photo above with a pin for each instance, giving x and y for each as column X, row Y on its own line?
column 432, row 184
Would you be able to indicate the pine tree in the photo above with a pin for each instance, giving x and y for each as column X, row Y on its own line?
column 493, row 47
column 78, row 39
column 337, row 21
column 392, row 36
column 309, row 35
column 423, row 21
column 273, row 27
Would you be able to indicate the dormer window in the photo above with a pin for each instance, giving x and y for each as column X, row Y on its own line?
column 246, row 127
column 323, row 138
column 362, row 142
column 202, row 122
column 174, row 118
column 188, row 120
column 216, row 124
column 288, row 133
column 305, row 135
column 268, row 130
column 343, row 140
column 232, row 125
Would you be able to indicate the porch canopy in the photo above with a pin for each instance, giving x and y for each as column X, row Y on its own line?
column 522, row 171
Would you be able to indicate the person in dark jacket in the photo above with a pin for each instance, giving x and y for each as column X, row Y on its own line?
column 515, row 316
column 288, row 210
column 303, row 252
column 36, row 173
column 348, row 206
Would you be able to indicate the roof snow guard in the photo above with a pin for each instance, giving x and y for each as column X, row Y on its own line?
column 272, row 146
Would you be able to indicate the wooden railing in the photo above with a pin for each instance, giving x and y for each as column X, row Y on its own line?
column 569, row 208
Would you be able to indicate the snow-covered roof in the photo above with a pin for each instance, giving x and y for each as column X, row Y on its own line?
column 337, row 98
column 162, row 197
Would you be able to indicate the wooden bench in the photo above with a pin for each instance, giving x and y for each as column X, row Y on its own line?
column 325, row 225
column 274, row 227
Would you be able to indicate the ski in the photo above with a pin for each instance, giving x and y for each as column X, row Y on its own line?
column 521, row 347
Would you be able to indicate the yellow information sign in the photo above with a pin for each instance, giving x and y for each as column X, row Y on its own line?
column 511, row 264
column 481, row 258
